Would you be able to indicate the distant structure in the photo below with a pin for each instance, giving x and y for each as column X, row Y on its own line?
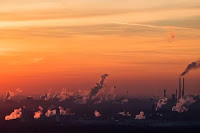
column 153, row 109
column 57, row 114
column 165, row 93
column 181, row 90
column 23, row 114
column 179, row 94
column 173, row 97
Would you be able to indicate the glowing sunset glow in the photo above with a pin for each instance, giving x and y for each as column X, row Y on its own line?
column 143, row 45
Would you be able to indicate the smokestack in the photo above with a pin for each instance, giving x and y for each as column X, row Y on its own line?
column 183, row 90
column 176, row 94
column 179, row 95
column 173, row 97
column 57, row 114
column 164, row 93
column 153, row 109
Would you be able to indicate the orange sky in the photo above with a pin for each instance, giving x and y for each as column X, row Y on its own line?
column 144, row 46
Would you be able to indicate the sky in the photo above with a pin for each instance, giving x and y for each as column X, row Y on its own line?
column 144, row 45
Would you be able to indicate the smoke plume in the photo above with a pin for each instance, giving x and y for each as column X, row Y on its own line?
column 45, row 97
column 97, row 114
column 160, row 103
column 98, row 86
column 38, row 113
column 124, row 101
column 8, row 96
column 182, row 105
column 17, row 113
column 50, row 113
column 81, row 97
column 61, row 111
column 111, row 95
column 191, row 66
column 140, row 116
column 124, row 113
column 18, row 90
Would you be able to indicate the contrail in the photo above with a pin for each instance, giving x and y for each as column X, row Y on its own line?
column 154, row 26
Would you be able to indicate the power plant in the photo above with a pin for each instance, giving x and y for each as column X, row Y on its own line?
column 180, row 92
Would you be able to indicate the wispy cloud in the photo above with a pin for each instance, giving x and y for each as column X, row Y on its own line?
column 154, row 26
column 5, row 51
column 125, row 18
column 37, row 59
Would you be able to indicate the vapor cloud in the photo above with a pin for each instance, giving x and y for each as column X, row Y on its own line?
column 124, row 113
column 38, row 113
column 17, row 113
column 160, row 103
column 98, row 86
column 63, row 111
column 18, row 90
column 140, row 116
column 46, row 96
column 58, row 111
column 8, row 96
column 50, row 113
column 97, row 114
column 182, row 105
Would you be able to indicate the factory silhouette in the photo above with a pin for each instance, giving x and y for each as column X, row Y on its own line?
column 180, row 92
column 102, row 107
column 98, row 108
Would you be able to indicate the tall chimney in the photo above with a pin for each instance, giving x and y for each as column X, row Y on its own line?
column 57, row 114
column 153, row 109
column 164, row 93
column 183, row 90
column 176, row 94
column 179, row 95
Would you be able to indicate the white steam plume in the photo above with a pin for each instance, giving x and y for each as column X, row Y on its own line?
column 46, row 96
column 8, row 96
column 140, row 116
column 50, row 113
column 38, row 113
column 17, row 113
column 18, row 90
column 61, row 110
column 160, row 103
column 97, row 114
column 182, row 105
column 124, row 113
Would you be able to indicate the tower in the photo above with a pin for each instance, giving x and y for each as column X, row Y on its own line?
column 179, row 95
column 165, row 93
column 183, row 90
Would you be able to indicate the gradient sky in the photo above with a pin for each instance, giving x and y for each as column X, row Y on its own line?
column 143, row 44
